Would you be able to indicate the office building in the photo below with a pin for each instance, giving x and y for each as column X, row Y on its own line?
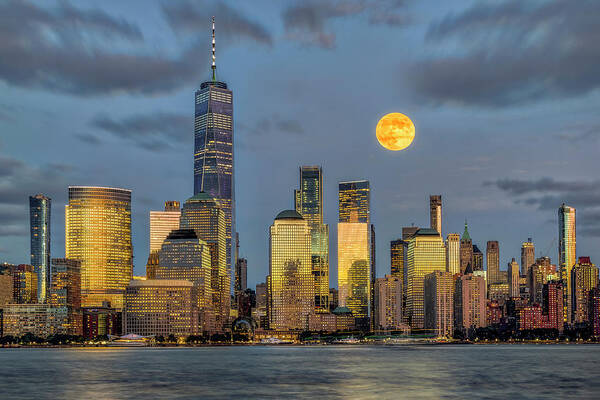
column 39, row 218
column 584, row 277
column 492, row 256
column 241, row 275
column 453, row 253
column 512, row 274
column 354, row 267
column 65, row 293
column 101, row 321
column 439, row 303
column 466, row 252
column 98, row 234
column 470, row 304
column 426, row 254
column 567, row 250
column 6, row 286
column 527, row 256
column 540, row 273
column 398, row 250
column 162, row 223
column 408, row 232
column 25, row 284
column 354, row 201
column 388, row 303
column 477, row 259
column 435, row 213
column 290, row 282
column 594, row 311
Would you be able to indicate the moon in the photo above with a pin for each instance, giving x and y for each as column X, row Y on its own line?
column 395, row 131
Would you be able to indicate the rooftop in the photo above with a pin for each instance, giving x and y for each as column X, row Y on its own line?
column 288, row 214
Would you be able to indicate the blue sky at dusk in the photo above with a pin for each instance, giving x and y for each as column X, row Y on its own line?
column 504, row 96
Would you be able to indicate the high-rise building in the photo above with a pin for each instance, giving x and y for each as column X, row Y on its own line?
column 184, row 256
column 290, row 282
column 435, row 212
column 477, row 259
column 466, row 252
column 162, row 223
column 388, row 303
column 160, row 307
column 540, row 273
column 65, row 294
column 453, row 253
column 512, row 274
column 408, row 232
column 594, row 311
column 398, row 250
column 353, row 267
column 39, row 217
column 584, row 277
column 25, row 284
column 426, row 254
column 6, row 287
column 241, row 275
column 470, row 304
column 527, row 256
column 260, row 311
column 98, row 234
column 354, row 202
column 309, row 204
column 492, row 255
column 552, row 293
column 206, row 217
column 151, row 265
column 567, row 250
column 439, row 302
column 213, row 149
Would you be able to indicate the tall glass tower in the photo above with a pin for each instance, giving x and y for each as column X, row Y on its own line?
column 39, row 217
column 213, row 147
column 567, row 247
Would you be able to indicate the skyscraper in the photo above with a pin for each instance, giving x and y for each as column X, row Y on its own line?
column 39, row 217
column 162, row 223
column 213, row 148
column 205, row 216
column 426, row 254
column 453, row 253
column 470, row 306
column 98, row 234
column 435, row 212
column 466, row 251
column 584, row 277
column 309, row 203
column 398, row 250
column 567, row 250
column 439, row 302
column 527, row 256
column 290, row 282
column 354, row 201
column 65, row 294
column 477, row 259
column 241, row 275
column 492, row 255
column 388, row 303
column 512, row 275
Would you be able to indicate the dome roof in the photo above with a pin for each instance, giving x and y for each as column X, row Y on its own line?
column 182, row 234
column 288, row 214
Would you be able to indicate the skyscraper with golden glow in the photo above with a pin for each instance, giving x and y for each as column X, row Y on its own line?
column 453, row 253
column 567, row 254
column 162, row 223
column 435, row 212
column 204, row 214
column 512, row 276
column 527, row 256
column 98, row 234
column 492, row 255
column 426, row 254
column 290, row 284
column 309, row 203
column 584, row 277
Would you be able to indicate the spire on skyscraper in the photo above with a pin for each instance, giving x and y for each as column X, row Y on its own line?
column 466, row 235
column 214, row 59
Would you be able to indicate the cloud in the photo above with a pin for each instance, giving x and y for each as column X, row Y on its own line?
column 307, row 22
column 511, row 52
column 274, row 124
column 580, row 133
column 191, row 17
column 88, row 138
column 549, row 194
column 154, row 132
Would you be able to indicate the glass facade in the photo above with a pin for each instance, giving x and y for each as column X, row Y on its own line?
column 162, row 223
column 353, row 267
column 39, row 217
column 435, row 212
column 567, row 247
column 453, row 253
column 213, row 152
column 290, row 282
column 426, row 254
column 98, row 234
column 354, row 201
column 492, row 255
column 527, row 256
column 309, row 203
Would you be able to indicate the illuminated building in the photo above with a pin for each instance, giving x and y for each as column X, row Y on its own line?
column 290, row 282
column 477, row 259
column 453, row 253
column 527, row 256
column 6, row 286
column 494, row 313
column 241, row 275
column 98, row 234
column 426, row 254
column 213, row 150
column 354, row 202
column 184, row 256
column 513, row 276
column 439, row 302
column 151, row 265
column 470, row 304
column 584, row 277
column 206, row 217
column 498, row 292
column 259, row 313
column 466, row 251
column 162, row 223
column 388, row 302
column 594, row 311
column 65, row 293
column 309, row 204
column 39, row 217
column 25, row 284
column 548, row 316
column 21, row 318
column 101, row 321
column 340, row 319
column 333, row 299
column 567, row 248
column 398, row 249
column 540, row 273
column 408, row 232
column 435, row 212
column 492, row 255
column 161, row 307
column 353, row 267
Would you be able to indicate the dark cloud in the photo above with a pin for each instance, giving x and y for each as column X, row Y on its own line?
column 274, row 124
column 307, row 22
column 548, row 194
column 580, row 133
column 191, row 17
column 88, row 138
column 512, row 52
column 154, row 132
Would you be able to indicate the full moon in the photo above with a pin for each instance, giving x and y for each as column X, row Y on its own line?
column 395, row 131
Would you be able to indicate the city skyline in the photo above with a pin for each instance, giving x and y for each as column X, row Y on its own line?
column 490, row 209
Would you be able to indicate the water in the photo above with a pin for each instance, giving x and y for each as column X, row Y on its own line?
column 361, row 372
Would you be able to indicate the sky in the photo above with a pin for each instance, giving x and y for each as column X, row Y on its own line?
column 504, row 96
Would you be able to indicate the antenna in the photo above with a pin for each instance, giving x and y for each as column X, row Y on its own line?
column 214, row 58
